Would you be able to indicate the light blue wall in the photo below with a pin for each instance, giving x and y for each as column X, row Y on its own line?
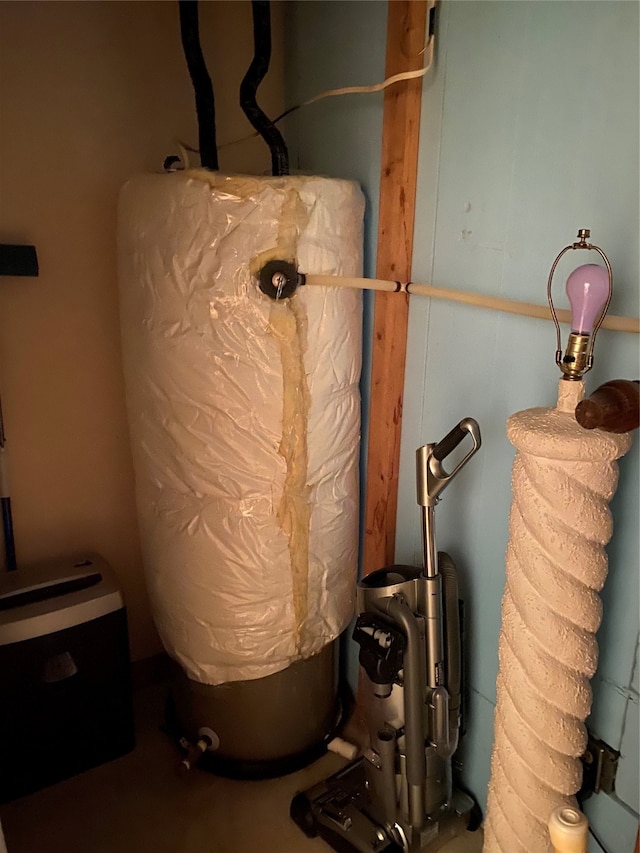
column 527, row 135
column 529, row 132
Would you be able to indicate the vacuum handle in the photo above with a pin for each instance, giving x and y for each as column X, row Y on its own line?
column 450, row 441
column 432, row 478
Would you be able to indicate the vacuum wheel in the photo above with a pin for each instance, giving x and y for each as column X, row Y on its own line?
column 301, row 813
column 475, row 817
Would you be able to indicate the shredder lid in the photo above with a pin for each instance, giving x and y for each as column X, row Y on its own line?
column 51, row 596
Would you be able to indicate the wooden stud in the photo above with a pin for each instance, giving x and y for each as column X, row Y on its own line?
column 406, row 38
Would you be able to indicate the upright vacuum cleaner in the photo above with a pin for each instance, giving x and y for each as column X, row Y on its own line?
column 399, row 795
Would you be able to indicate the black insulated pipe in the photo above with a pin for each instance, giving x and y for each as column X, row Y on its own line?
column 205, row 104
column 5, row 506
column 9, row 540
column 249, row 86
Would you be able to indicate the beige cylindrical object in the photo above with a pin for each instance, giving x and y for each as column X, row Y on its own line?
column 563, row 479
column 343, row 748
column 244, row 415
column 568, row 831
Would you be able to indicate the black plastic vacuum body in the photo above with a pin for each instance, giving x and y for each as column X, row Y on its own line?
column 399, row 795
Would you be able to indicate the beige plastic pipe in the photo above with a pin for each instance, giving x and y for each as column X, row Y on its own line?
column 568, row 831
column 480, row 300
column 563, row 479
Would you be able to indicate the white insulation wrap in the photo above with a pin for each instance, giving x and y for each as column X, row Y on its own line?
column 244, row 414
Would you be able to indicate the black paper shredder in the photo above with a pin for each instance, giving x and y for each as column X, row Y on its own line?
column 65, row 683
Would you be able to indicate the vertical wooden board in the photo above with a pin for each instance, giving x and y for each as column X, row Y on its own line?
column 406, row 36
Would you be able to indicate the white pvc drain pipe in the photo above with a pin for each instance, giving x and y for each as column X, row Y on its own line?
column 563, row 480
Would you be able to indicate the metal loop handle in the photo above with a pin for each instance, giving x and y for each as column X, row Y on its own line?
column 432, row 478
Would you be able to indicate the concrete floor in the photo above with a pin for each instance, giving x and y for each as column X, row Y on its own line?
column 141, row 803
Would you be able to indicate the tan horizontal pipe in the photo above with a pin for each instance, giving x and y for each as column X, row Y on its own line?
column 358, row 283
column 495, row 303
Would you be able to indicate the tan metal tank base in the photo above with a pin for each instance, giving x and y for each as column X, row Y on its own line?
column 267, row 726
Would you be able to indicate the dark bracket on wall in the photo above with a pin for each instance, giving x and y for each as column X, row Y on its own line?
column 600, row 763
column 18, row 260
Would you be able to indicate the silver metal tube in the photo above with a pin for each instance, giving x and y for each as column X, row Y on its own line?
column 413, row 690
column 416, row 806
column 386, row 749
column 431, row 600
column 427, row 509
column 429, row 541
column 440, row 735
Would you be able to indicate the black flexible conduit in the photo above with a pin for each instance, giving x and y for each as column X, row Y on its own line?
column 205, row 104
column 5, row 510
column 249, row 86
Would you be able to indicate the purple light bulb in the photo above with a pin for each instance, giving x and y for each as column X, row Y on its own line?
column 588, row 290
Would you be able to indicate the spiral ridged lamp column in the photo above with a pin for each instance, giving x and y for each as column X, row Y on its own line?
column 563, row 479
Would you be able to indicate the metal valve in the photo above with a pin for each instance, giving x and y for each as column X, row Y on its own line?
column 280, row 279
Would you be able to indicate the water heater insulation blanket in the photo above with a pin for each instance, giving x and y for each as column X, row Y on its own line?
column 244, row 414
